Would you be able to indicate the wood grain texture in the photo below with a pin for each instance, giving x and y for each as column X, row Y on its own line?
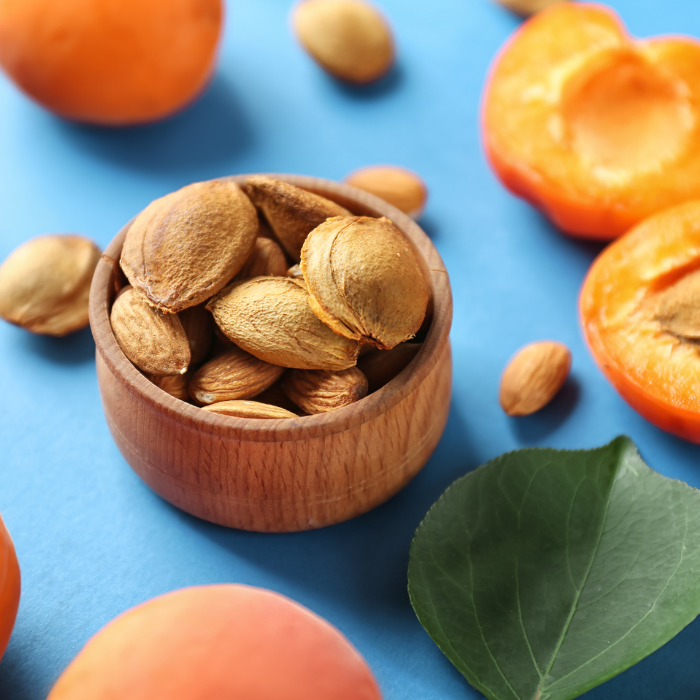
column 292, row 474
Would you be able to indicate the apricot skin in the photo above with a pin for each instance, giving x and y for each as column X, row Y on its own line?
column 9, row 587
column 657, row 373
column 597, row 133
column 110, row 62
column 222, row 641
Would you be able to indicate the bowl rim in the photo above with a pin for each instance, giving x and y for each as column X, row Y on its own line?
column 102, row 292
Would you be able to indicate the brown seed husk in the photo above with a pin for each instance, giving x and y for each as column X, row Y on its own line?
column 398, row 186
column 349, row 38
column 275, row 396
column 678, row 307
column 533, row 377
column 295, row 272
column 185, row 247
column 175, row 385
column 316, row 391
column 270, row 317
column 291, row 212
column 381, row 366
column 221, row 342
column 45, row 284
column 525, row 8
column 266, row 260
column 364, row 280
column 264, row 230
column 248, row 409
column 199, row 329
column 234, row 375
column 155, row 342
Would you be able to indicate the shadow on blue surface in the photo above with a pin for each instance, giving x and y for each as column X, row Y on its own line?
column 208, row 135
column 391, row 82
column 534, row 428
column 588, row 246
column 430, row 226
column 15, row 677
column 74, row 349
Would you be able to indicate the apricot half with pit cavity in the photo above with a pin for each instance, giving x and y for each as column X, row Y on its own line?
column 640, row 314
column 597, row 129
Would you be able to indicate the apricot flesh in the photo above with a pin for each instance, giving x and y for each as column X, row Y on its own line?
column 9, row 587
column 231, row 642
column 597, row 129
column 110, row 62
column 640, row 311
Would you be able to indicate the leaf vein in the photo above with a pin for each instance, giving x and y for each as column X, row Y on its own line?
column 574, row 606
column 644, row 617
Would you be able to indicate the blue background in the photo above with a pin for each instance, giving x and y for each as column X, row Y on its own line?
column 93, row 540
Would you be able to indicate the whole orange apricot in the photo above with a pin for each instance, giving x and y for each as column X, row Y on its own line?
column 111, row 62
column 596, row 128
column 228, row 642
column 9, row 587
column 640, row 310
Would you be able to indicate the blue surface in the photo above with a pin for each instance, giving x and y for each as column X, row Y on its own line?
column 93, row 540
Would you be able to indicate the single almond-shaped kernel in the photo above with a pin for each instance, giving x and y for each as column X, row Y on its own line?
column 266, row 260
column 525, row 8
column 316, row 391
column 398, row 186
column 533, row 377
column 234, row 375
column 381, row 366
column 291, row 212
column 248, row 409
column 678, row 308
column 187, row 246
column 271, row 318
column 45, row 284
column 175, row 385
column 199, row 329
column 295, row 272
column 155, row 342
column 364, row 280
column 349, row 38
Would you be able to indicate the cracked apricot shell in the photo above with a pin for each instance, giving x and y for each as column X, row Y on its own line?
column 637, row 306
column 597, row 129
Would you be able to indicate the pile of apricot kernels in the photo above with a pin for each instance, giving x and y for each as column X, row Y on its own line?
column 597, row 129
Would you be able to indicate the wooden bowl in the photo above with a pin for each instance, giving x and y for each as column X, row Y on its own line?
column 290, row 474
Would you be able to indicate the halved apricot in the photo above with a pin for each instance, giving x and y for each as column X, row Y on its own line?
column 640, row 310
column 597, row 129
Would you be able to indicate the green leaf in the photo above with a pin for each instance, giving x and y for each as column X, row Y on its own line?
column 545, row 573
